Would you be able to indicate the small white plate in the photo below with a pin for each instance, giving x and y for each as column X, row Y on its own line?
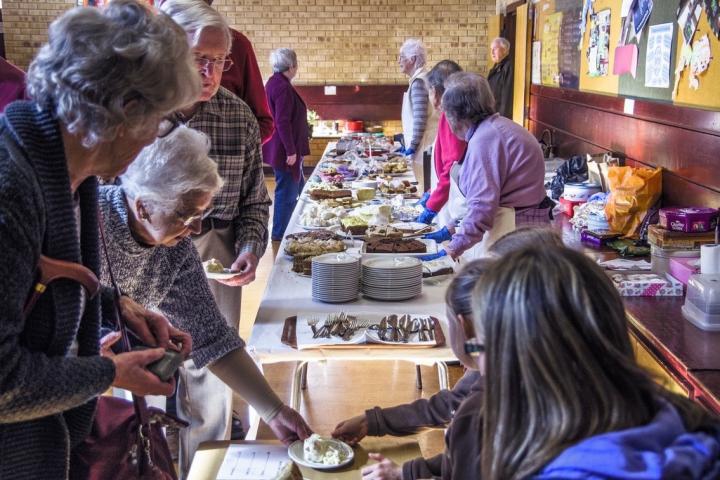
column 226, row 274
column 297, row 455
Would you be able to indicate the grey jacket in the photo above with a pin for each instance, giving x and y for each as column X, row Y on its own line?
column 46, row 393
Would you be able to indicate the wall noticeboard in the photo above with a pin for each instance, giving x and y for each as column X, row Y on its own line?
column 573, row 38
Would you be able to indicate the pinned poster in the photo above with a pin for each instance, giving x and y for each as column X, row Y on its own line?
column 598, row 53
column 626, row 57
column 700, row 60
column 641, row 14
column 536, row 63
column 657, row 59
column 712, row 10
column 688, row 17
column 550, row 64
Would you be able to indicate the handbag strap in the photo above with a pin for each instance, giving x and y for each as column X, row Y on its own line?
column 141, row 409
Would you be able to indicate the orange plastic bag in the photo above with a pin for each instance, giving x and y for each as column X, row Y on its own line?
column 632, row 192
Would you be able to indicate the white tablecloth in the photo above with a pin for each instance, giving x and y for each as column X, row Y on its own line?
column 289, row 294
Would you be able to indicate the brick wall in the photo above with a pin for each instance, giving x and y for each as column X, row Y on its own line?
column 26, row 23
column 337, row 41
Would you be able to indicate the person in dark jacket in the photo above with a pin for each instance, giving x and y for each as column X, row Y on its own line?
column 92, row 111
column 564, row 397
column 289, row 143
column 500, row 77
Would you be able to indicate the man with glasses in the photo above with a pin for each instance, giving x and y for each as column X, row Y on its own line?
column 243, row 78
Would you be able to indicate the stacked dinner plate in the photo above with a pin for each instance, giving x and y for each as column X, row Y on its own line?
column 392, row 279
column 335, row 277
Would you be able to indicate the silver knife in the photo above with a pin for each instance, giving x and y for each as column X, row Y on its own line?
column 431, row 328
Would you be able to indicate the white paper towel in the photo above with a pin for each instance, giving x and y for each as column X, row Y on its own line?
column 709, row 259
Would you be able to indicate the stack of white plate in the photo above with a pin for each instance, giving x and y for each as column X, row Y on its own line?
column 335, row 277
column 392, row 278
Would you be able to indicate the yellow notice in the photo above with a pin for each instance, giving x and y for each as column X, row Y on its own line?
column 550, row 44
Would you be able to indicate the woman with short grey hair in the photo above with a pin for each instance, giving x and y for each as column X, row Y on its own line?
column 100, row 88
column 499, row 184
column 419, row 121
column 282, row 60
column 148, row 221
column 289, row 143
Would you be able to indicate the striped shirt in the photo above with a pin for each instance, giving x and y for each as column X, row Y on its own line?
column 420, row 103
column 235, row 146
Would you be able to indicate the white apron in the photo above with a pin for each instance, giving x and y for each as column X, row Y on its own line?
column 456, row 210
column 428, row 138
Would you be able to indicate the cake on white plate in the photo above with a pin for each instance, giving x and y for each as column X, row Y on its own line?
column 319, row 450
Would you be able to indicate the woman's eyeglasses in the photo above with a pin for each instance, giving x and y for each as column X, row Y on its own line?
column 168, row 125
column 223, row 64
column 188, row 220
column 472, row 347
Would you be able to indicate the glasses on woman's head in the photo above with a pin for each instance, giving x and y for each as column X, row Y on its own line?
column 223, row 64
column 473, row 347
column 168, row 125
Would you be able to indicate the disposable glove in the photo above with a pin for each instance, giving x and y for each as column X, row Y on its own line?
column 423, row 200
column 440, row 236
column 426, row 216
column 434, row 256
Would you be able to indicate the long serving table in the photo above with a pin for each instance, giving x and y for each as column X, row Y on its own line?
column 288, row 294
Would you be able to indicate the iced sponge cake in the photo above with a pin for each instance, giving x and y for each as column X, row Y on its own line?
column 319, row 450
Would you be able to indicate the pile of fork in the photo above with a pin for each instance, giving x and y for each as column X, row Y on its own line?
column 337, row 325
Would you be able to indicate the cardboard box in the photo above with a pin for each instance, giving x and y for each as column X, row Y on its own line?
column 646, row 285
column 665, row 238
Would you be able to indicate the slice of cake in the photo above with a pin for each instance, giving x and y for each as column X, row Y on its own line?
column 383, row 231
column 364, row 194
column 214, row 266
column 354, row 224
column 395, row 245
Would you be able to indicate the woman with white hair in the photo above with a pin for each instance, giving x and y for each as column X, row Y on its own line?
column 499, row 184
column 289, row 142
column 418, row 115
column 100, row 88
column 148, row 221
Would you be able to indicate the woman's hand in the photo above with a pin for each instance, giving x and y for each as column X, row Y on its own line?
column 291, row 159
column 154, row 329
column 289, row 426
column 131, row 373
column 385, row 469
column 351, row 431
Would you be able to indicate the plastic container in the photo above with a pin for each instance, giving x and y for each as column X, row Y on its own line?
column 702, row 303
column 660, row 257
column 580, row 192
column 568, row 206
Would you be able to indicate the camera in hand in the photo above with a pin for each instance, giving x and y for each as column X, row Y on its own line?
column 165, row 367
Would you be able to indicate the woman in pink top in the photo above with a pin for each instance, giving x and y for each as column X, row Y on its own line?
column 449, row 149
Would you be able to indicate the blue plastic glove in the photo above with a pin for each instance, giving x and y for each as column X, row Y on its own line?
column 400, row 150
column 434, row 256
column 426, row 216
column 423, row 200
column 409, row 152
column 440, row 236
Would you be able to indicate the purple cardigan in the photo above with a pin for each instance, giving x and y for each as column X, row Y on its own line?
column 291, row 128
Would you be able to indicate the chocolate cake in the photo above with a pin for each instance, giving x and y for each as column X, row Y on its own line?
column 323, row 194
column 395, row 245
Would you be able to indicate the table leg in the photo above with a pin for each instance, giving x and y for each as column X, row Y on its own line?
column 297, row 385
column 443, row 375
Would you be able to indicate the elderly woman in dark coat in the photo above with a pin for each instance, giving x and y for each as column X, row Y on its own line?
column 100, row 89
column 289, row 143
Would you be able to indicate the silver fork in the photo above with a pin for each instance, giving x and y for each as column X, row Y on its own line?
column 312, row 322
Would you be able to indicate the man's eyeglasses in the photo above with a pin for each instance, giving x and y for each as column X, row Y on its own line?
column 472, row 347
column 223, row 64
column 168, row 125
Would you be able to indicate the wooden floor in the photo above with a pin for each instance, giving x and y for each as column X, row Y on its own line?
column 339, row 390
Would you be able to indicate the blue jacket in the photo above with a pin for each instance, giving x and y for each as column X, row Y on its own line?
column 662, row 449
